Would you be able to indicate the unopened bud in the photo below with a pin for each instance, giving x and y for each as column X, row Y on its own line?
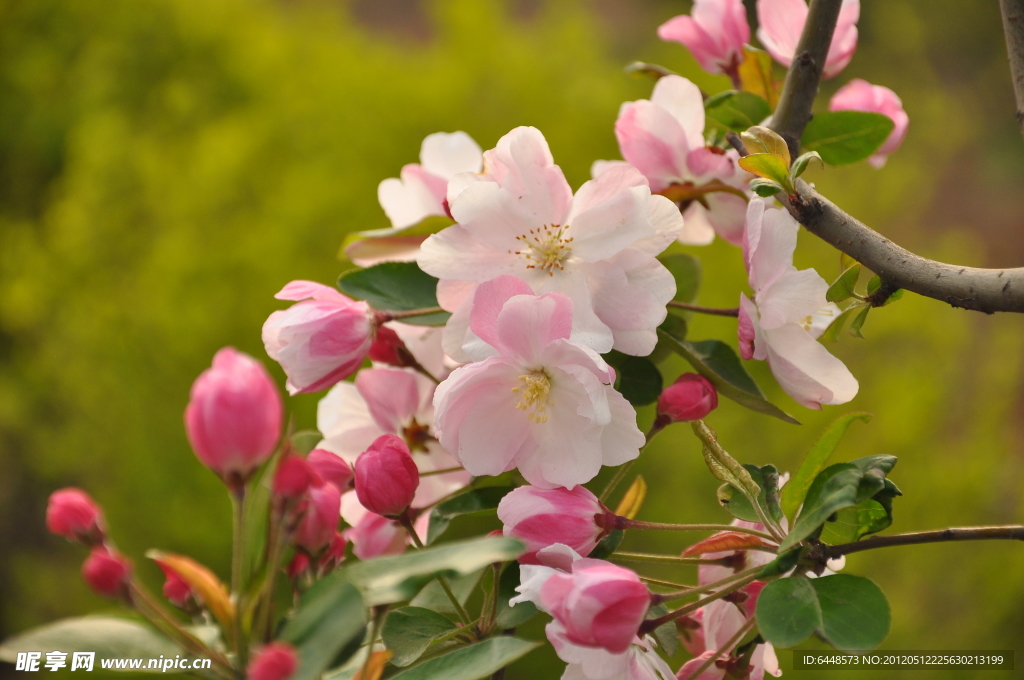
column 388, row 348
column 293, row 478
column 176, row 589
column 276, row 661
column 543, row 517
column 386, row 477
column 107, row 572
column 319, row 521
column 331, row 467
column 298, row 566
column 691, row 397
column 334, row 555
column 73, row 514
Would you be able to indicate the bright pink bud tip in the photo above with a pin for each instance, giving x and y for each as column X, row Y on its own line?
column 543, row 517
column 276, row 661
column 386, row 477
column 331, row 467
column 233, row 417
column 320, row 518
column 176, row 589
column 599, row 604
column 293, row 478
column 334, row 555
column 298, row 566
column 73, row 514
column 106, row 572
column 388, row 348
column 690, row 397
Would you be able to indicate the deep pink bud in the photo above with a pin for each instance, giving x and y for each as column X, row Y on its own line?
column 334, row 555
column 320, row 340
column 386, row 477
column 690, row 397
column 106, row 572
column 599, row 604
column 388, row 348
column 233, row 417
column 320, row 517
column 298, row 565
column 176, row 589
column 293, row 478
column 73, row 514
column 715, row 33
column 543, row 517
column 860, row 95
column 276, row 661
column 331, row 467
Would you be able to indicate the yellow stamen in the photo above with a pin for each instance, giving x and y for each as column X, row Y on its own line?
column 546, row 249
column 534, row 394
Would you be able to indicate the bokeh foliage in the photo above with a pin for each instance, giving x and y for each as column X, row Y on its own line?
column 167, row 165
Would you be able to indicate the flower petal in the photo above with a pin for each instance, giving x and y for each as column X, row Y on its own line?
column 806, row 370
column 447, row 154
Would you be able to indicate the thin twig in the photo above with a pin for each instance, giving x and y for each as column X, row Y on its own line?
column 441, row 580
column 626, row 523
column 717, row 311
column 650, row 557
column 1013, row 27
column 1011, row 533
column 652, row 624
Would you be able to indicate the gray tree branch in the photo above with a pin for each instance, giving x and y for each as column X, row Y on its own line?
column 1013, row 27
column 983, row 290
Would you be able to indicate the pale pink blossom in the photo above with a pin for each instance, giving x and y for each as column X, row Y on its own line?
column 860, row 95
column 598, row 247
column 543, row 517
column 396, row 401
column 782, row 22
column 715, row 33
column 663, row 138
column 544, row 404
column 372, row 535
column 788, row 313
column 319, row 341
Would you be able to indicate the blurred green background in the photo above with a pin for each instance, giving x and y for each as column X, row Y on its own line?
column 167, row 165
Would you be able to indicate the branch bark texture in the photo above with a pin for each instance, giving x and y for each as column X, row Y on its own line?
column 801, row 86
column 1012, row 533
column 1013, row 27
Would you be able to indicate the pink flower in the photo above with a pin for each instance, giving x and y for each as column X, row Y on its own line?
column 788, row 313
column 176, row 589
column 860, row 95
column 372, row 535
column 782, row 22
column 543, row 517
column 597, row 247
column 319, row 520
column 715, row 33
column 276, row 661
column 107, row 572
column 690, row 397
column 389, row 401
column 331, row 468
column 544, row 405
column 335, row 553
column 599, row 604
column 320, row 340
column 233, row 417
column 293, row 477
column 386, row 477
column 663, row 138
column 73, row 514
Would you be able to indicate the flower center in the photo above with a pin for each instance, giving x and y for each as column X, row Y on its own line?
column 534, row 393
column 416, row 436
column 546, row 248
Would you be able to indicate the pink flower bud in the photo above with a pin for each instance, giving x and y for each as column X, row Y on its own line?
column 293, row 478
column 386, row 477
column 276, row 661
column 375, row 536
column 298, row 565
column 860, row 95
column 388, row 348
column 331, row 467
column 106, row 572
column 543, row 517
column 320, row 340
column 73, row 514
column 320, row 517
column 176, row 589
column 233, row 417
column 690, row 397
column 334, row 555
column 599, row 604
column 715, row 33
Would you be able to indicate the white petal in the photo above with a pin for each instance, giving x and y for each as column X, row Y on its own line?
column 345, row 422
column 697, row 228
column 806, row 370
column 794, row 297
column 683, row 100
column 447, row 154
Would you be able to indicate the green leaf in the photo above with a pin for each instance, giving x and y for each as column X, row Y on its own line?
column 765, row 187
column 788, row 611
column 330, row 617
column 638, row 380
column 738, row 505
column 386, row 580
column 886, row 496
column 254, row 522
column 718, row 362
column 854, row 612
column 831, row 333
column 374, row 243
column 471, row 663
column 736, row 110
column 433, row 596
column 305, row 441
column 858, row 322
column 846, row 136
column 666, row 634
column 800, row 164
column 755, row 72
column 608, row 545
column 852, row 524
column 781, row 564
column 874, row 284
column 108, row 636
column 762, row 140
column 512, row 617
column 686, row 271
column 408, row 631
column 469, row 503
column 843, row 288
column 769, row 166
column 643, row 69
column 832, row 490
column 395, row 286
column 795, row 491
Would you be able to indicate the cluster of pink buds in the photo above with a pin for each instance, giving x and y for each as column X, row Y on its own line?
column 74, row 515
